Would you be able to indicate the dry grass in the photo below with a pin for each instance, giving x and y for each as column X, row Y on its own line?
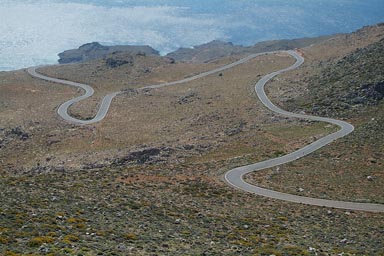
column 219, row 105
column 340, row 170
column 70, row 190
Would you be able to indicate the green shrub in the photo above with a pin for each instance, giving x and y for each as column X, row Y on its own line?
column 37, row 241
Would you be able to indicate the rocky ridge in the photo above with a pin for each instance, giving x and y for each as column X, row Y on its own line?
column 207, row 52
column 217, row 49
column 347, row 85
column 91, row 191
column 92, row 51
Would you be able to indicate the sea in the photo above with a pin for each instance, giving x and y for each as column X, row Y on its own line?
column 33, row 32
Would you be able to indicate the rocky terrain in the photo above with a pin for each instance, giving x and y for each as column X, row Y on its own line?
column 218, row 49
column 92, row 51
column 347, row 86
column 198, row 54
column 147, row 180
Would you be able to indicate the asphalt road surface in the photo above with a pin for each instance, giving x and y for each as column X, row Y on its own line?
column 235, row 176
column 106, row 102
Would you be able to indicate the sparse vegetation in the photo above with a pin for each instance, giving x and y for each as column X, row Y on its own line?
column 37, row 241
column 148, row 181
column 352, row 168
column 346, row 87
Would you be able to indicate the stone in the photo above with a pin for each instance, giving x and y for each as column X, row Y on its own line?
column 190, row 97
column 44, row 249
column 95, row 50
column 114, row 62
column 140, row 157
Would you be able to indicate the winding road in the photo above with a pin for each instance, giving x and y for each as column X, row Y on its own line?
column 106, row 102
column 235, row 176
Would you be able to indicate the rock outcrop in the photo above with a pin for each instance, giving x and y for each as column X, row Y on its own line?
column 217, row 49
column 346, row 86
column 92, row 51
column 206, row 52
column 198, row 54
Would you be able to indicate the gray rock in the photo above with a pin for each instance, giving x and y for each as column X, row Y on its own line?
column 190, row 97
column 217, row 49
column 117, row 61
column 92, row 51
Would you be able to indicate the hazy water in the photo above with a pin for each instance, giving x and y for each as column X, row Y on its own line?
column 32, row 32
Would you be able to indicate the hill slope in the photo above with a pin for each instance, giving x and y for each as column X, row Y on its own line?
column 92, row 51
column 218, row 49
column 348, row 86
column 344, row 87
column 198, row 54
column 148, row 179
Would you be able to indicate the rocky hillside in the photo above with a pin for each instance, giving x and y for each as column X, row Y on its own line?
column 198, row 54
column 348, row 85
column 206, row 52
column 340, row 78
column 147, row 180
column 218, row 49
column 92, row 51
